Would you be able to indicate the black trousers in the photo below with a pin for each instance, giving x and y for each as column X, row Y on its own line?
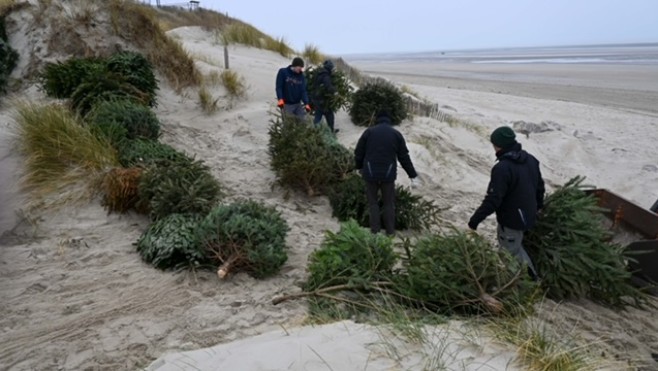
column 388, row 206
column 328, row 114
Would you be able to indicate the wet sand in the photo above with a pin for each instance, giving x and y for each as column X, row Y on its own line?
column 633, row 88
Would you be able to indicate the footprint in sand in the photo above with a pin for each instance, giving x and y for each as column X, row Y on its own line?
column 619, row 150
column 137, row 348
column 36, row 288
column 588, row 135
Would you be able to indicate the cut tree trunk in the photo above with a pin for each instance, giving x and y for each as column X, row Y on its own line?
column 227, row 266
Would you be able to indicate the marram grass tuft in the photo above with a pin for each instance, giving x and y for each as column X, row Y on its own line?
column 61, row 155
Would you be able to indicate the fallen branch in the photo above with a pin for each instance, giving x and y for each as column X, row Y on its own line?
column 515, row 279
column 324, row 291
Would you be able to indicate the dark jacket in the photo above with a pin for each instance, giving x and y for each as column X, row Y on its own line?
column 515, row 192
column 291, row 86
column 378, row 151
column 323, row 89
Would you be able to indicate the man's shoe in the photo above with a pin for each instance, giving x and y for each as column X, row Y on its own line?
column 533, row 276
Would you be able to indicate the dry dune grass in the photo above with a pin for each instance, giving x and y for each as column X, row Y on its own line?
column 95, row 28
column 135, row 25
column 312, row 54
column 231, row 30
column 246, row 34
column 8, row 6
column 209, row 104
column 61, row 156
column 213, row 78
column 5, row 5
column 173, row 17
column 234, row 84
column 240, row 32
column 121, row 189
column 539, row 348
column 279, row 45
column 140, row 24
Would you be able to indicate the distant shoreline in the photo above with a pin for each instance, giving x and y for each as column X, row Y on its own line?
column 505, row 48
column 632, row 88
column 633, row 54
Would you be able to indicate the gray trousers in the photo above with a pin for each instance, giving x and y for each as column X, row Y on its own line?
column 295, row 110
column 512, row 241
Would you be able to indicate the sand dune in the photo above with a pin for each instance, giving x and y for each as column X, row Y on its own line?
column 75, row 294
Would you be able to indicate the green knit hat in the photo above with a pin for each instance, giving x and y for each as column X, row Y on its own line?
column 503, row 137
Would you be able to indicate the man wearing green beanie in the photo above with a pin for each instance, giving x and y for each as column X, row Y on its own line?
column 515, row 194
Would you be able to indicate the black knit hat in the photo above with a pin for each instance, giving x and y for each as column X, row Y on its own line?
column 382, row 114
column 297, row 62
column 503, row 137
column 328, row 65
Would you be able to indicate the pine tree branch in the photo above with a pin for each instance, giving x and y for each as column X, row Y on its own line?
column 506, row 286
column 324, row 291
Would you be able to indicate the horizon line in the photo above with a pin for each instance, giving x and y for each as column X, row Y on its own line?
column 646, row 43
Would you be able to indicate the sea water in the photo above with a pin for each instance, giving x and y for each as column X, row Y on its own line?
column 638, row 54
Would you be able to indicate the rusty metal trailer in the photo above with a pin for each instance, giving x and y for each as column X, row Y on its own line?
column 627, row 217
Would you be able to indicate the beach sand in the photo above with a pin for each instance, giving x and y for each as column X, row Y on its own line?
column 602, row 119
column 76, row 296
column 630, row 88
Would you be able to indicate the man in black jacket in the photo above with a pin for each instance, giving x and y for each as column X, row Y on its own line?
column 323, row 91
column 376, row 155
column 515, row 194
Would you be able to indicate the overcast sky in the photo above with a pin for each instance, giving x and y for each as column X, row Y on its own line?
column 365, row 26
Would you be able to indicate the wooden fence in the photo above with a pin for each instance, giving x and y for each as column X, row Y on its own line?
column 416, row 106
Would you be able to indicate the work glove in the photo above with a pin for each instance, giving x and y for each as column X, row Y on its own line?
column 414, row 183
column 281, row 103
column 307, row 108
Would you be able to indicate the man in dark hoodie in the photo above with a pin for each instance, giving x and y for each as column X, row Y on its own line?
column 515, row 194
column 323, row 90
column 376, row 155
column 291, row 89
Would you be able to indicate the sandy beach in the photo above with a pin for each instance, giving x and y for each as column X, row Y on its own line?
column 598, row 109
column 632, row 88
column 76, row 296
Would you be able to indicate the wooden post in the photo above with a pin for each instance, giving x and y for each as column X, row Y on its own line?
column 226, row 56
